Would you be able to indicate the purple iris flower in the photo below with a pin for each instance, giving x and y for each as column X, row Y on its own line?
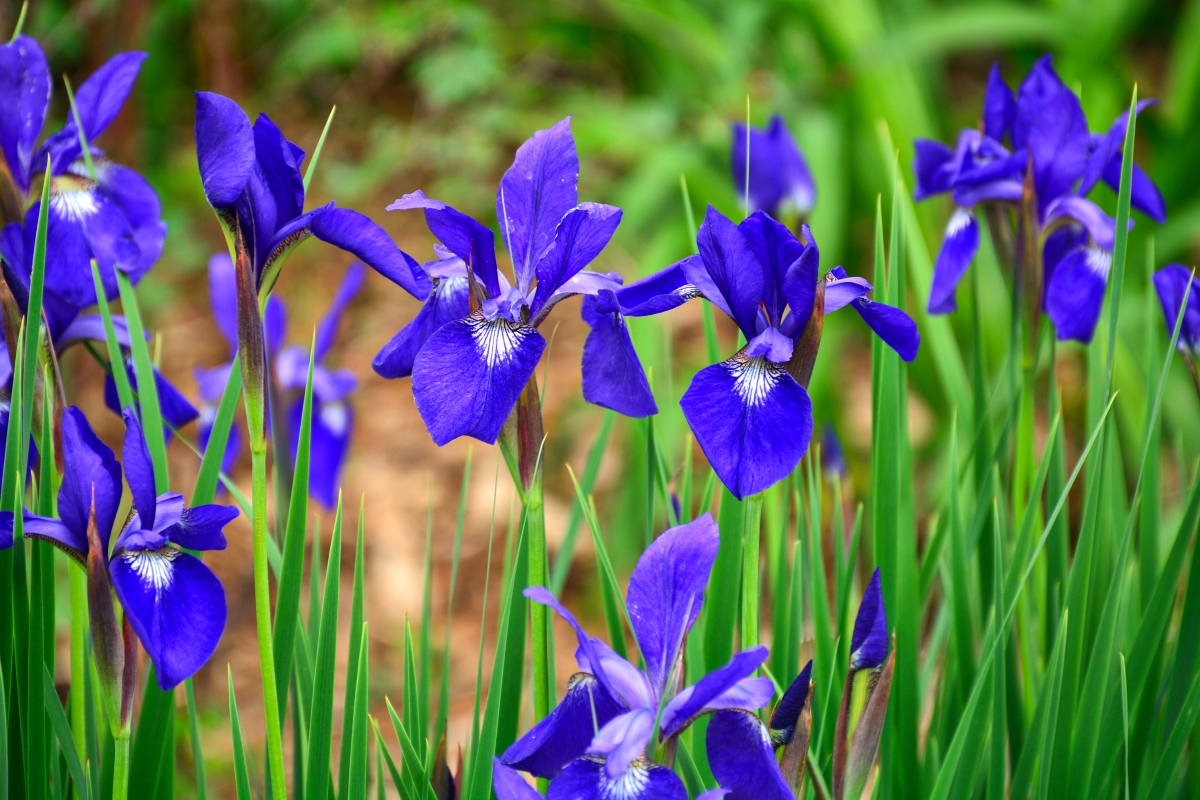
column 1047, row 135
column 174, row 602
column 252, row 179
column 780, row 181
column 115, row 218
column 869, row 642
column 593, row 744
column 222, row 296
column 332, row 418
column 1172, row 282
column 751, row 413
column 474, row 344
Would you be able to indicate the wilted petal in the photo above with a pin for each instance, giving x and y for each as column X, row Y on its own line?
column 742, row 758
column 566, row 732
column 695, row 700
column 586, row 779
column 752, row 420
column 612, row 373
column 999, row 105
column 90, row 472
column 361, row 236
column 509, row 785
column 176, row 605
column 1075, row 292
column 959, row 245
column 467, row 377
column 733, row 267
column 224, row 148
column 869, row 643
column 25, row 96
column 578, row 239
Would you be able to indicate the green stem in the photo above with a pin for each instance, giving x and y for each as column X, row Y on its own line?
column 78, row 587
column 535, row 515
column 262, row 609
column 751, row 522
column 121, row 765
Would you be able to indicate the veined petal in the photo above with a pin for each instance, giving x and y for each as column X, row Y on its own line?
column 509, row 785
column 578, row 239
column 534, row 195
column 742, row 758
column 224, row 148
column 586, row 779
column 612, row 373
column 891, row 324
column 222, row 296
column 350, row 286
column 622, row 741
column 666, row 591
column 959, row 245
column 176, row 606
column 467, row 377
column 90, row 473
column 202, row 527
column 752, row 420
column 869, row 643
column 733, row 268
column 279, row 161
column 446, row 303
column 695, row 700
column 139, row 469
column 361, row 236
column 564, row 735
column 666, row 289
column 98, row 101
column 1075, row 292
column 463, row 236
column 999, row 105
column 25, row 94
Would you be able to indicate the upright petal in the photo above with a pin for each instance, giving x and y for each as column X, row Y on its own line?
column 224, row 148
column 999, row 105
column 25, row 95
column 695, row 700
column 800, row 284
column 869, row 643
column 564, row 735
column 612, row 373
column 779, row 175
column 361, row 236
column 222, row 296
column 139, row 469
column 279, row 161
column 934, row 165
column 90, row 473
column 46, row 529
column 752, row 420
column 535, row 193
column 777, row 250
column 578, row 239
column 1075, row 292
column 787, row 712
column 1040, row 86
column 1058, row 144
column 733, row 267
column 98, row 101
column 509, row 785
column 446, row 303
column 893, row 325
column 742, row 758
column 467, row 377
column 586, row 779
column 461, row 235
column 666, row 591
column 959, row 245
column 1171, row 283
column 176, row 605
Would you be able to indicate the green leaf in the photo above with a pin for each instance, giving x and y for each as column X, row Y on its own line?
column 143, row 370
column 151, row 762
column 562, row 562
column 1159, row 781
column 320, row 727
column 194, row 735
column 356, row 785
column 210, row 465
column 444, row 689
column 402, row 787
column 240, row 772
column 316, row 156
column 610, row 590
column 62, row 730
column 349, row 710
column 1054, row 684
column 720, row 619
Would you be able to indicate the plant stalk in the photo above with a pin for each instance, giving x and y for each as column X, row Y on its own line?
column 78, row 588
column 121, row 765
column 751, row 523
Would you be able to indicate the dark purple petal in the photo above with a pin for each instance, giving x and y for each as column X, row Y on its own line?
column 777, row 250
column 779, row 175
column 1040, row 86
column 999, row 105
column 1105, row 162
column 350, row 286
column 78, row 221
column 841, row 290
column 701, row 284
column 1100, row 226
column 1058, row 142
column 509, row 785
column 176, row 409
column 25, row 96
column 46, row 529
column 612, row 373
column 934, row 167
column 1000, row 191
column 891, row 324
column 1144, row 194
column 89, row 471
column 742, row 759
column 446, row 303
column 800, row 283
column 1171, row 282
column 585, row 779
column 279, row 161
column 787, row 712
column 564, row 735
column 202, row 527
column 222, row 296
column 622, row 741
column 139, row 469
column 463, row 236
column 579, row 238
column 134, row 198
column 224, row 148
column 176, row 606
column 233, row 445
column 274, row 324
column 733, row 268
column 535, row 193
column 666, row 591
column 869, row 642
column 959, row 245
column 695, row 700
column 98, row 101
column 752, row 420
column 362, row 236
column 467, row 377
column 1075, row 292
column 663, row 290
column 1058, row 245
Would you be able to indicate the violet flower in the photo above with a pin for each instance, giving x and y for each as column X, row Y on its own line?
column 780, row 181
column 474, row 345
column 1171, row 283
column 1051, row 152
column 594, row 743
column 751, row 413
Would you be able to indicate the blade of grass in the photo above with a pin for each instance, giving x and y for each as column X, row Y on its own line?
column 240, row 771
column 711, row 345
column 562, row 563
column 194, row 736
column 356, row 787
column 349, row 710
column 62, row 730
column 312, row 164
column 401, row 787
column 610, row 591
column 218, row 438
column 320, row 727
column 143, row 370
column 444, row 689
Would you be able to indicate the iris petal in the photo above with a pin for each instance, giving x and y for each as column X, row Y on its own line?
column 742, row 758
column 891, row 324
column 97, row 101
column 1075, row 292
column 446, row 303
column 509, row 785
column 612, row 373
column 622, row 741
column 776, row 249
column 1171, row 282
column 666, row 289
column 90, row 473
column 463, row 236
column 869, row 643
column 566, row 732
column 224, row 148
column 358, row 234
column 999, row 105
column 694, row 700
column 139, row 469
column 959, row 245
column 585, row 779
column 733, row 268
column 203, row 527
column 578, row 239
column 25, row 94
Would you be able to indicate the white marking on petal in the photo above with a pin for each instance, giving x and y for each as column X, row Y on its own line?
column 334, row 416
column 628, row 786
column 153, row 566
column 496, row 339
column 959, row 221
column 753, row 378
column 1099, row 260
column 75, row 204
column 687, row 291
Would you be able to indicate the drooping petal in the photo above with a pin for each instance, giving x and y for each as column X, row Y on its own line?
column 463, row 236
column 176, row 606
column 90, row 327
column 222, row 296
column 1144, row 193
column 47, row 529
column 841, row 289
column 1171, row 283
column 564, row 735
column 446, row 303
column 586, row 779
column 612, row 373
column 733, row 268
column 350, row 286
column 362, row 236
column 893, row 325
column 139, row 469
column 467, row 377
column 1075, row 292
column 959, row 245
column 869, row 643
column 622, row 741
column 661, row 291
column 578, row 239
column 777, row 250
column 509, row 785
column 695, row 700
column 666, row 591
column 97, row 101
column 90, row 472
column 177, row 410
column 787, row 712
column 202, row 527
column 999, row 105
column 742, row 758
column 535, row 193
column 25, row 94
column 224, row 148
column 752, row 420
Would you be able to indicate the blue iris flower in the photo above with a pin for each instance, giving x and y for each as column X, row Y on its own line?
column 114, row 218
column 780, row 180
column 751, row 413
column 593, row 744
column 174, row 602
column 1047, row 135
column 1172, row 283
column 474, row 344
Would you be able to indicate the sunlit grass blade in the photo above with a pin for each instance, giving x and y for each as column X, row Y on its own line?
column 562, row 562
column 241, row 774
column 115, row 359
column 352, row 666
column 316, row 156
column 320, row 726
column 62, row 730
column 356, row 785
column 194, row 736
column 143, row 370
column 398, row 780
column 1157, row 782
column 720, row 619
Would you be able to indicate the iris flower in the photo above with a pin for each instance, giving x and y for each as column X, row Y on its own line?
column 114, row 218
column 780, row 181
column 475, row 343
column 593, row 744
column 1172, row 282
column 332, row 416
column 174, row 602
column 1048, row 142
column 751, row 413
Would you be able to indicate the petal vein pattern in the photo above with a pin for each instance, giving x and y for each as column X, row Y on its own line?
column 153, row 566
column 496, row 339
column 754, row 378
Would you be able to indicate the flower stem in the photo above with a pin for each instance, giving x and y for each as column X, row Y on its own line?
column 121, row 765
column 78, row 587
column 535, row 516
column 751, row 522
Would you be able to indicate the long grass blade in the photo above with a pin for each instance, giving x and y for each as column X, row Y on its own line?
column 241, row 772
column 320, row 726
